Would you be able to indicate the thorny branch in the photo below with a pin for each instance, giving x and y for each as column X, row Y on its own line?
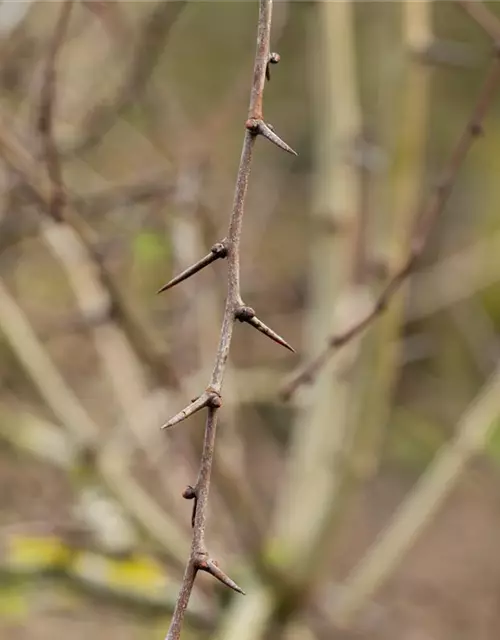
column 427, row 218
column 235, row 309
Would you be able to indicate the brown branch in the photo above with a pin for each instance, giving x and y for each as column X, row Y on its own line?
column 426, row 222
column 199, row 558
column 485, row 18
column 50, row 192
column 147, row 50
column 46, row 115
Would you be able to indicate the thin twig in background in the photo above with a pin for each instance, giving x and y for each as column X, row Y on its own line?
column 471, row 436
column 426, row 221
column 112, row 347
column 74, row 417
column 46, row 114
column 77, row 232
column 375, row 373
column 147, row 51
column 235, row 309
column 485, row 18
column 28, row 167
column 418, row 509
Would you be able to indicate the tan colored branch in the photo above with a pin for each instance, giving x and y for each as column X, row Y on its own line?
column 427, row 219
column 376, row 372
column 62, row 401
column 422, row 504
column 321, row 427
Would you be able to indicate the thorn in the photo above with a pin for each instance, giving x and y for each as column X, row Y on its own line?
column 211, row 567
column 259, row 127
column 207, row 399
column 274, row 58
column 247, row 314
column 219, row 250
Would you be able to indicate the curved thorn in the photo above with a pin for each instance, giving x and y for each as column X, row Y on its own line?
column 267, row 132
column 219, row 250
column 210, row 566
column 205, row 400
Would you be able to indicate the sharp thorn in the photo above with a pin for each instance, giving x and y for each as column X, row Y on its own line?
column 247, row 314
column 204, row 400
column 219, row 250
column 210, row 566
column 260, row 326
column 267, row 132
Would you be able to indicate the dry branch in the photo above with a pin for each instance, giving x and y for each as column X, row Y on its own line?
column 46, row 114
column 73, row 416
column 234, row 308
column 147, row 50
column 418, row 509
column 474, row 429
column 82, row 234
column 426, row 222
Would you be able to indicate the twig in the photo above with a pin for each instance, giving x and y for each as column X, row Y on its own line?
column 234, row 309
column 46, row 115
column 147, row 50
column 485, row 18
column 426, row 221
column 66, row 550
column 40, row 186
column 66, row 406
column 418, row 509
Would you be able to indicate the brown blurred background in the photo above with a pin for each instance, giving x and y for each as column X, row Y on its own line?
column 367, row 506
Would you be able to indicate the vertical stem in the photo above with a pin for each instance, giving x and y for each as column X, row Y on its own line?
column 319, row 431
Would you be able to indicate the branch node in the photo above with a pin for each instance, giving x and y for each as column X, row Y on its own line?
column 244, row 314
column 220, row 249
column 274, row 58
column 476, row 129
column 189, row 493
column 204, row 563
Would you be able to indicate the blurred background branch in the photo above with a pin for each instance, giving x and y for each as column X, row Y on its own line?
column 368, row 506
